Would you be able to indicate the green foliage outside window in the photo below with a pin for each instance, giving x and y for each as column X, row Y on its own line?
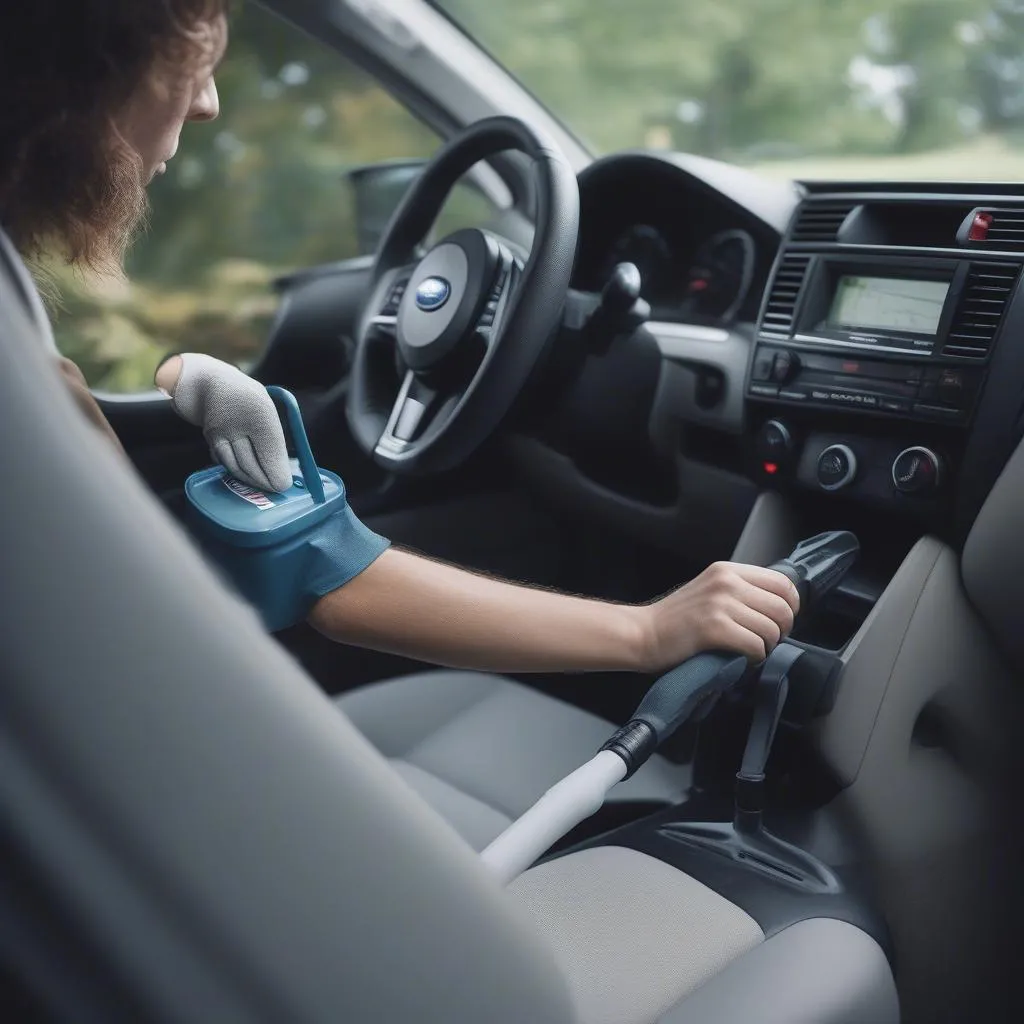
column 923, row 89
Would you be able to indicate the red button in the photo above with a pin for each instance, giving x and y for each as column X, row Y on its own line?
column 979, row 227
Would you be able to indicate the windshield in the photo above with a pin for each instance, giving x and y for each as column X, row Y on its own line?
column 911, row 89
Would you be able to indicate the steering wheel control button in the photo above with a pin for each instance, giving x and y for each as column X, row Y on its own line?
column 775, row 444
column 494, row 300
column 837, row 467
column 916, row 470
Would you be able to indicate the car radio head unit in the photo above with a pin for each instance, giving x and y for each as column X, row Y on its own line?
column 880, row 304
column 889, row 334
column 897, row 304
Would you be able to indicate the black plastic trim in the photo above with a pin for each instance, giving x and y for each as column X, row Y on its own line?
column 634, row 743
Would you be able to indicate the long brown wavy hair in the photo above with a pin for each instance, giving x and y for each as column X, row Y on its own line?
column 68, row 181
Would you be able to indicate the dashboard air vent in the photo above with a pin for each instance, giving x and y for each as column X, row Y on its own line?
column 993, row 228
column 820, row 222
column 781, row 305
column 986, row 292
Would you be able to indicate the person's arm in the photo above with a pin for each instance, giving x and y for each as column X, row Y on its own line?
column 407, row 604
column 410, row 605
column 79, row 390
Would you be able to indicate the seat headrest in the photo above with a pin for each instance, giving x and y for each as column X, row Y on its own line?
column 217, row 831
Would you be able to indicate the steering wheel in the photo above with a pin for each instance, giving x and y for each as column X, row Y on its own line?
column 445, row 343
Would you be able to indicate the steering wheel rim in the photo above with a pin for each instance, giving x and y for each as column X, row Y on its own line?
column 503, row 309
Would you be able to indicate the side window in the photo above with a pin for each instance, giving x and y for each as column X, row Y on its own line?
column 264, row 189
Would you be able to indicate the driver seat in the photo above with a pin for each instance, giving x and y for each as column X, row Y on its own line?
column 190, row 831
column 481, row 749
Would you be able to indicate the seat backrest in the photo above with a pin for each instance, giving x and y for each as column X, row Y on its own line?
column 196, row 814
column 993, row 560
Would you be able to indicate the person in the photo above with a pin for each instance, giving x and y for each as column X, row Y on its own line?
column 102, row 90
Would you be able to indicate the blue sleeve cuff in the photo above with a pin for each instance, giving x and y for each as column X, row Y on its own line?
column 284, row 580
column 339, row 554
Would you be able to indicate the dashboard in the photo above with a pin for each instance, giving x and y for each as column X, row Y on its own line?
column 851, row 344
column 702, row 258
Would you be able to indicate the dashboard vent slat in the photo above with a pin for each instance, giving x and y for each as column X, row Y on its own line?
column 1005, row 229
column 781, row 305
column 820, row 222
column 986, row 293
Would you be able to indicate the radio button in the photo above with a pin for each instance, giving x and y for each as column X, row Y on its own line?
column 785, row 367
column 765, row 390
column 950, row 388
column 764, row 363
column 793, row 394
column 939, row 412
column 893, row 405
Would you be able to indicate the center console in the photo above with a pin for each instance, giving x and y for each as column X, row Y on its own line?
column 874, row 342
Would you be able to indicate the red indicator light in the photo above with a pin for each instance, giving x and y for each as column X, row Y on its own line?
column 851, row 367
column 771, row 467
column 698, row 284
column 979, row 227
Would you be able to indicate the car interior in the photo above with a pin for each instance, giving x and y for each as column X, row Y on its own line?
column 641, row 363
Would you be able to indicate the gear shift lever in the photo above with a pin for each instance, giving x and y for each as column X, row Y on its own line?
column 814, row 566
column 685, row 693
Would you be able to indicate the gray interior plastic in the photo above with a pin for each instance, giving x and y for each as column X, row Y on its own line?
column 924, row 737
column 993, row 559
column 219, row 835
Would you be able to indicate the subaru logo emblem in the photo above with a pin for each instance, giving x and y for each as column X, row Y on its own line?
column 432, row 294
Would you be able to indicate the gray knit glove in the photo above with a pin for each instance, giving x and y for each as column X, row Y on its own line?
column 238, row 418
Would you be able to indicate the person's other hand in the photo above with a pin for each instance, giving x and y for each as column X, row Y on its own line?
column 238, row 418
column 728, row 607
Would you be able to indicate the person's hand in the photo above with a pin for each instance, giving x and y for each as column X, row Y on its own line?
column 728, row 607
column 238, row 417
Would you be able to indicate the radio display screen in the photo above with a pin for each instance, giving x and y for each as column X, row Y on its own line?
column 888, row 304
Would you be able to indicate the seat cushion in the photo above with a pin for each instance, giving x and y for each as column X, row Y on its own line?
column 481, row 749
column 640, row 942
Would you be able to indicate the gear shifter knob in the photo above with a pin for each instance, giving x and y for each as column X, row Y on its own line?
column 622, row 289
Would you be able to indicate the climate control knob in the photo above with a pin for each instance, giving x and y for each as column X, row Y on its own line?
column 916, row 470
column 837, row 467
column 775, row 443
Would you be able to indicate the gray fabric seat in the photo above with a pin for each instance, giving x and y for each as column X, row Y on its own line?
column 480, row 749
column 209, row 840
column 640, row 942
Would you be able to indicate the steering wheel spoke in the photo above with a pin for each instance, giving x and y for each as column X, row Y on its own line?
column 386, row 318
column 410, row 415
